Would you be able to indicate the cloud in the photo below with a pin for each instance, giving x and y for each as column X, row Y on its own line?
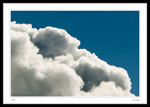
column 54, row 42
column 32, row 75
column 107, row 89
column 48, row 62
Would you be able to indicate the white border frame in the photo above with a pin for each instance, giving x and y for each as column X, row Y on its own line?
column 141, row 7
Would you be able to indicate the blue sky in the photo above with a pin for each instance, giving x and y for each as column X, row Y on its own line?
column 112, row 35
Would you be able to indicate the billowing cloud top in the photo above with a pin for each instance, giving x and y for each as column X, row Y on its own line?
column 48, row 62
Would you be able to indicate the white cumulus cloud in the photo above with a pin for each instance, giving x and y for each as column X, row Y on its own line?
column 48, row 62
